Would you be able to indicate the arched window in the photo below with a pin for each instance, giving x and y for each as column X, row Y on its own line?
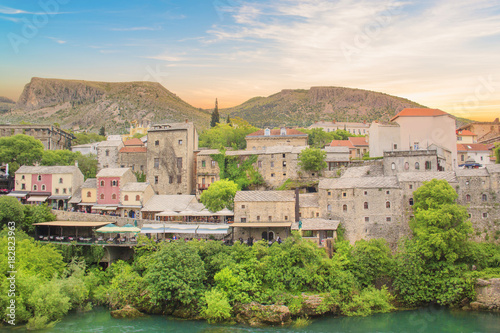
column 102, row 183
column 365, row 205
column 267, row 131
column 43, row 188
column 107, row 152
column 393, row 166
column 125, row 198
column 35, row 187
column 467, row 198
column 39, row 178
column 102, row 196
column 387, row 204
column 484, row 197
column 60, row 180
column 407, row 165
column 344, row 208
column 138, row 198
column 411, row 201
column 89, row 194
column 113, row 196
column 417, row 166
column 428, row 165
column 114, row 183
column 329, row 208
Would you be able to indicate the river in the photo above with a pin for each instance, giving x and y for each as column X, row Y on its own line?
column 428, row 320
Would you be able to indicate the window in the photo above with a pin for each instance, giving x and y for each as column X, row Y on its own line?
column 170, row 179
column 484, row 197
column 60, row 180
column 411, row 201
column 283, row 131
column 35, row 187
column 467, row 198
column 156, row 179
column 284, row 174
column 344, row 208
column 393, row 166
column 466, row 182
column 415, row 145
column 89, row 194
column 428, row 165
column 179, row 179
column 272, row 164
column 387, row 192
column 462, row 157
column 23, row 177
column 203, row 181
column 258, row 218
column 367, row 219
column 113, row 196
column 365, row 205
column 387, row 204
column 242, row 206
column 284, row 163
column 267, row 131
column 125, row 197
column 284, row 155
column 243, row 219
column 180, row 142
column 107, row 152
column 137, row 197
column 114, row 183
column 317, row 214
column 102, row 183
column 365, row 192
column 102, row 196
column 470, row 215
column 39, row 178
column 23, row 186
column 344, row 194
column 485, row 215
column 156, row 163
column 272, row 175
column 329, row 208
column 270, row 218
column 388, row 219
column 410, row 186
column 329, row 193
column 417, row 166
column 212, row 180
column 179, row 162
column 203, row 164
column 259, row 164
column 43, row 187
column 286, row 218
column 64, row 190
column 57, row 191
column 157, row 142
column 307, row 233
column 395, row 146
column 407, row 165
column 213, row 164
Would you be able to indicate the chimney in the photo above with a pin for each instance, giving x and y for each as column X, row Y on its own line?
column 297, row 205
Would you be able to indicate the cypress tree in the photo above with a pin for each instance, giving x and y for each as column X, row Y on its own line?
column 228, row 121
column 215, row 115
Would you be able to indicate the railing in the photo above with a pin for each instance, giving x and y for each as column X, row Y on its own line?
column 88, row 240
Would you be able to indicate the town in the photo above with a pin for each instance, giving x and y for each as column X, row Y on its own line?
column 363, row 184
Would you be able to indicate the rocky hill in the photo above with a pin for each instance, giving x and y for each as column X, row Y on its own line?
column 303, row 107
column 6, row 104
column 90, row 105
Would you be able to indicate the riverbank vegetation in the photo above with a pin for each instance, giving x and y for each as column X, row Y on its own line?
column 261, row 283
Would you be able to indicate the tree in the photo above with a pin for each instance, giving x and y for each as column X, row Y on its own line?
column 11, row 210
column 228, row 120
column 215, row 115
column 20, row 150
column 102, row 131
column 227, row 135
column 497, row 153
column 312, row 159
column 219, row 195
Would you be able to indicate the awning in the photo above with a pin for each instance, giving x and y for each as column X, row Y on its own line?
column 17, row 194
column 130, row 206
column 212, row 230
column 105, row 207
column 36, row 198
column 60, row 197
column 170, row 228
column 262, row 225
column 72, row 224
column 224, row 212
column 86, row 204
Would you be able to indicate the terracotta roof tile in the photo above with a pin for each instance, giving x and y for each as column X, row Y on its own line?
column 133, row 149
column 133, row 142
column 465, row 132
column 342, row 143
column 358, row 141
column 472, row 147
column 419, row 112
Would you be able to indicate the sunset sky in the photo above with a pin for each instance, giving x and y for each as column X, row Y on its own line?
column 442, row 54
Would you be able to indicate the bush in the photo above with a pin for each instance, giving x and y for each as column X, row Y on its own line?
column 368, row 302
column 217, row 306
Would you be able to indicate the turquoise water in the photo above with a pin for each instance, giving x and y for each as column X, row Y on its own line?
column 416, row 321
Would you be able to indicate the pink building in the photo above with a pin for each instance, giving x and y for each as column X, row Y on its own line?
column 110, row 181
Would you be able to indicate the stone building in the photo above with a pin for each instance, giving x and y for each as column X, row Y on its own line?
column 479, row 152
column 486, row 131
column 107, row 154
column 86, row 149
column 262, row 139
column 396, row 162
column 351, row 127
column 207, row 169
column 171, row 158
column 52, row 138
column 133, row 155
column 133, row 196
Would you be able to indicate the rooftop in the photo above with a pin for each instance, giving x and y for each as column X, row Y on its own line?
column 419, row 112
column 56, row 169
column 135, row 187
column 358, row 140
column 134, row 142
column 361, row 182
column 472, row 173
column 134, row 149
column 110, row 143
column 90, row 183
column 171, row 127
column 175, row 203
column 309, row 200
column 270, row 196
column 472, row 147
column 426, row 176
column 112, row 172
column 342, row 143
column 465, row 132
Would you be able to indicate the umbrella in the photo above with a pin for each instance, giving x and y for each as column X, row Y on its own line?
column 127, row 228
column 108, row 228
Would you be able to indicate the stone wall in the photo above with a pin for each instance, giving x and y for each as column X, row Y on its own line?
column 63, row 215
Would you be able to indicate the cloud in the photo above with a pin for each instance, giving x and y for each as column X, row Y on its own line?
column 58, row 41
column 13, row 11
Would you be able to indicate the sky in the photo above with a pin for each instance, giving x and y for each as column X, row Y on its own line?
column 443, row 54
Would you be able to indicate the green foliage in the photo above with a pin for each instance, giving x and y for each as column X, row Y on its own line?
column 371, row 260
column 368, row 302
column 227, row 135
column 497, row 153
column 84, row 138
column 217, row 307
column 102, row 131
column 87, row 165
column 239, row 170
column 141, row 176
column 215, row 119
column 318, row 138
column 36, row 214
column 219, row 195
column 175, row 275
column 312, row 159
column 20, row 150
column 10, row 210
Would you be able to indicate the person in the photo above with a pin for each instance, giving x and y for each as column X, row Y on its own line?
column 278, row 239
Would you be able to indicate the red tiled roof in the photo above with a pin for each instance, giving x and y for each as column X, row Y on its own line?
column 465, row 132
column 342, row 143
column 472, row 146
column 358, row 140
column 133, row 142
column 133, row 150
column 419, row 112
column 289, row 131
